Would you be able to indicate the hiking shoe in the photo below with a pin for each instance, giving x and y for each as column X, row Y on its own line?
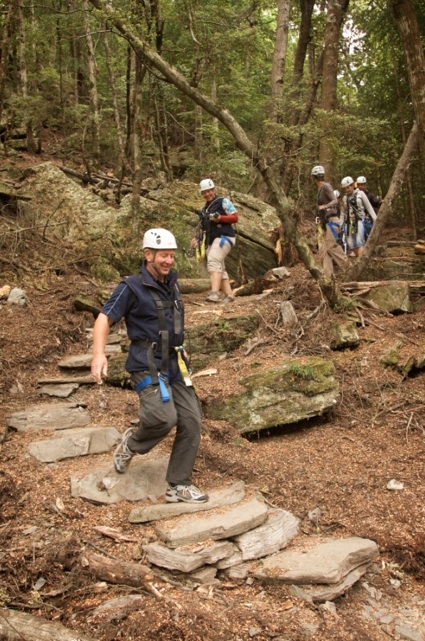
column 123, row 454
column 185, row 494
column 228, row 299
column 214, row 297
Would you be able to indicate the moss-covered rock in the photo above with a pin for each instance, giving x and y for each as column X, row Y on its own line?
column 295, row 390
column 345, row 336
column 218, row 336
column 394, row 297
column 117, row 374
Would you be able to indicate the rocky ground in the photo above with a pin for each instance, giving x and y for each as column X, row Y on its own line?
column 340, row 464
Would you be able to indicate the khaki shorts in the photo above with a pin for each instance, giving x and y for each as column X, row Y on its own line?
column 216, row 255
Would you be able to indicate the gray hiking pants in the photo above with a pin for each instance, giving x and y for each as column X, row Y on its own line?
column 157, row 419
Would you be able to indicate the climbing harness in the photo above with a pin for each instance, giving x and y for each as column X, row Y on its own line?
column 163, row 376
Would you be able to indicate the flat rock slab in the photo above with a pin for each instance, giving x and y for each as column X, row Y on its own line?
column 62, row 380
column 59, row 390
column 217, row 498
column 327, row 562
column 74, row 442
column 323, row 593
column 186, row 560
column 221, row 523
column 77, row 361
column 276, row 533
column 145, row 480
column 49, row 416
column 82, row 361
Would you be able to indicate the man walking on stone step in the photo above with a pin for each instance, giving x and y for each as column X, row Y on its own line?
column 152, row 306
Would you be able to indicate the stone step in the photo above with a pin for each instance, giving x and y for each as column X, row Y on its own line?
column 49, row 416
column 326, row 562
column 217, row 498
column 74, row 442
column 145, row 480
column 216, row 524
column 83, row 361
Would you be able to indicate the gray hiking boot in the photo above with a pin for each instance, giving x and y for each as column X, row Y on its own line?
column 123, row 454
column 185, row 494
column 214, row 297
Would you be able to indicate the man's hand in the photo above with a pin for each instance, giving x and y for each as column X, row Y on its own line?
column 99, row 367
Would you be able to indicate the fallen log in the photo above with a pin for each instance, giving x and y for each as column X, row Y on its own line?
column 20, row 626
column 354, row 285
column 194, row 285
column 117, row 571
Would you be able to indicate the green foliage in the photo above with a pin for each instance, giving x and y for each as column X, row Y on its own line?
column 225, row 49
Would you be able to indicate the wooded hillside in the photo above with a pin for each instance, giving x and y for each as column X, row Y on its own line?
column 274, row 86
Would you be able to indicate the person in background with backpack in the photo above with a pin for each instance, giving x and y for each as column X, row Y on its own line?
column 375, row 201
column 152, row 306
column 328, row 223
column 217, row 217
column 355, row 210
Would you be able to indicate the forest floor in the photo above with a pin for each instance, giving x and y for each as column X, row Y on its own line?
column 340, row 464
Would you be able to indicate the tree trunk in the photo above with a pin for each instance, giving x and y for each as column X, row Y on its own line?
column 162, row 133
column 19, row 626
column 136, row 139
column 386, row 208
column 9, row 26
column 334, row 20
column 303, row 118
column 404, row 13
column 279, row 60
column 94, row 102
column 117, row 571
column 306, row 7
column 122, row 160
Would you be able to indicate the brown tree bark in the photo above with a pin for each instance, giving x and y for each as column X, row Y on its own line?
column 407, row 22
column 279, row 60
column 387, row 205
column 10, row 25
column 94, row 101
column 335, row 17
column 306, row 7
column 19, row 626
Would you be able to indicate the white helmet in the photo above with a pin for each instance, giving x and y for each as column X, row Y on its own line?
column 336, row 193
column 159, row 239
column 206, row 184
column 347, row 181
column 362, row 180
column 318, row 170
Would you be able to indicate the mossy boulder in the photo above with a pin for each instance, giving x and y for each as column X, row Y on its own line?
column 394, row 297
column 295, row 390
column 345, row 336
column 218, row 336
column 117, row 374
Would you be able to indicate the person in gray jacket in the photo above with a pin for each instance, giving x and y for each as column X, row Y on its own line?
column 356, row 209
column 328, row 224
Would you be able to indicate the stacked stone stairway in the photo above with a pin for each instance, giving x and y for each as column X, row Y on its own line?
column 236, row 536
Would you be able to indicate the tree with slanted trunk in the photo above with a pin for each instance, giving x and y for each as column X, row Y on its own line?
column 284, row 207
